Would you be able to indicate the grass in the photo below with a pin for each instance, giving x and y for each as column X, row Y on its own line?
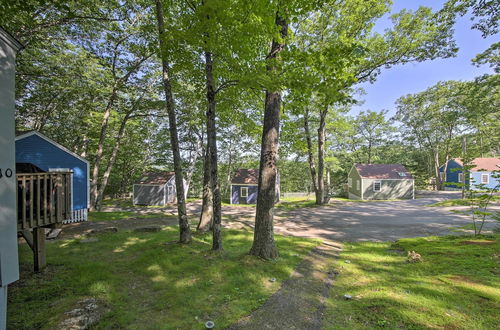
column 122, row 215
column 147, row 284
column 461, row 202
column 291, row 203
column 456, row 286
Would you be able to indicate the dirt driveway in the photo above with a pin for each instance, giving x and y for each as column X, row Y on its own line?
column 373, row 221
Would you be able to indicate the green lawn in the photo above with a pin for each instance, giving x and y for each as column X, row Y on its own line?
column 148, row 284
column 461, row 202
column 456, row 286
column 122, row 215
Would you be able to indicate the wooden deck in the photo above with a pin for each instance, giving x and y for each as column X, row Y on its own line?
column 43, row 199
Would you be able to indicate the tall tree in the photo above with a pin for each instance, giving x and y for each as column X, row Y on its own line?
column 185, row 233
column 263, row 243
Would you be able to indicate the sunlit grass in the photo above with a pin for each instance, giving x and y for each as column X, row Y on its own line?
column 462, row 202
column 456, row 286
column 122, row 215
column 148, row 284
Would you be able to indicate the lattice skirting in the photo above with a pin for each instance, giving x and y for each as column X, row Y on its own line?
column 77, row 216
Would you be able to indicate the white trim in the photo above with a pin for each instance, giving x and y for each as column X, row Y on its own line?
column 349, row 182
column 244, row 184
column 487, row 178
column 460, row 177
column 380, row 186
column 25, row 135
column 241, row 192
column 362, row 188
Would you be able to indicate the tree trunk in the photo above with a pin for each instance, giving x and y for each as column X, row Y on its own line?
column 320, row 195
column 439, row 183
column 370, row 151
column 111, row 162
column 310, row 157
column 192, row 166
column 100, row 150
column 263, row 241
column 185, row 233
column 207, row 211
column 212, row 152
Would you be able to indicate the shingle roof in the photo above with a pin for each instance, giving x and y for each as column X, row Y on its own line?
column 246, row 176
column 383, row 171
column 488, row 164
column 155, row 178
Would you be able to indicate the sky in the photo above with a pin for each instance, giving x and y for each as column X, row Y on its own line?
column 415, row 77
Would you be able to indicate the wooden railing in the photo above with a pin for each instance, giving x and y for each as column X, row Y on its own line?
column 43, row 199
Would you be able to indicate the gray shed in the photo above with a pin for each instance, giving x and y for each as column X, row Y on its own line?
column 380, row 181
column 155, row 188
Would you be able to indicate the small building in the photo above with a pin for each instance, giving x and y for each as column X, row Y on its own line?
column 244, row 186
column 9, row 263
column 481, row 174
column 37, row 153
column 155, row 188
column 380, row 181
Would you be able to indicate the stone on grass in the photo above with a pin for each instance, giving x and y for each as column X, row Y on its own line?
column 347, row 296
column 103, row 230
column 414, row 257
column 348, row 261
column 85, row 316
column 148, row 229
column 89, row 240
column 273, row 279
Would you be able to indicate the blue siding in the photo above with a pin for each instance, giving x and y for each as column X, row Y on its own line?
column 37, row 151
column 452, row 173
column 452, row 176
column 252, row 194
column 476, row 180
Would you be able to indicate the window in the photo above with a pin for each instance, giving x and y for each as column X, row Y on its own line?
column 244, row 192
column 460, row 177
column 485, row 178
column 377, row 185
column 349, row 182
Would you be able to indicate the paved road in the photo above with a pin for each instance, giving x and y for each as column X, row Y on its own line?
column 376, row 221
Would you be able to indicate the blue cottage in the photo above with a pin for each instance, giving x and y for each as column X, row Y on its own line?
column 244, row 187
column 483, row 173
column 37, row 153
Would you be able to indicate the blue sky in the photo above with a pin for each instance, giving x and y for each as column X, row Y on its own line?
column 415, row 77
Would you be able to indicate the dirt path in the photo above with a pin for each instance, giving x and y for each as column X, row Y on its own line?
column 300, row 302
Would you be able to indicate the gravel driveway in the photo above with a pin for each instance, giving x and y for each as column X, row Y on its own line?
column 377, row 221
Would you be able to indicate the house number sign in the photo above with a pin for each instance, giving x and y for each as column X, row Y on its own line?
column 7, row 172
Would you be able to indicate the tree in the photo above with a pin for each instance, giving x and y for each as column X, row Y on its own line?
column 185, row 234
column 373, row 129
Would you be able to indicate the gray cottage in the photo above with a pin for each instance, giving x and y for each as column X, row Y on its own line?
column 380, row 181
column 155, row 188
column 244, row 187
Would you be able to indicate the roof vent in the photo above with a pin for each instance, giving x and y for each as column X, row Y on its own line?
column 402, row 173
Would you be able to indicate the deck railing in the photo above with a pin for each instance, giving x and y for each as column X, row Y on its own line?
column 43, row 199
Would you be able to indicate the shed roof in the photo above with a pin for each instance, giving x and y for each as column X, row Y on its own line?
column 24, row 134
column 383, row 171
column 159, row 178
column 488, row 164
column 246, row 176
column 10, row 39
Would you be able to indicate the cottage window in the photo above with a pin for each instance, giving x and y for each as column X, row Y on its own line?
column 377, row 185
column 244, row 192
column 460, row 177
column 349, row 182
column 485, row 178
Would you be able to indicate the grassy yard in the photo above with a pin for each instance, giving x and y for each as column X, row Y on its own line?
column 456, row 286
column 147, row 284
column 461, row 202
column 123, row 215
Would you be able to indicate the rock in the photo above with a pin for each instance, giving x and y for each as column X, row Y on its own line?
column 148, row 229
column 414, row 257
column 209, row 325
column 85, row 316
column 348, row 261
column 103, row 230
column 272, row 279
column 89, row 240
column 347, row 296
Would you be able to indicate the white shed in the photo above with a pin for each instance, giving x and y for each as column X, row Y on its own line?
column 9, row 264
column 155, row 188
